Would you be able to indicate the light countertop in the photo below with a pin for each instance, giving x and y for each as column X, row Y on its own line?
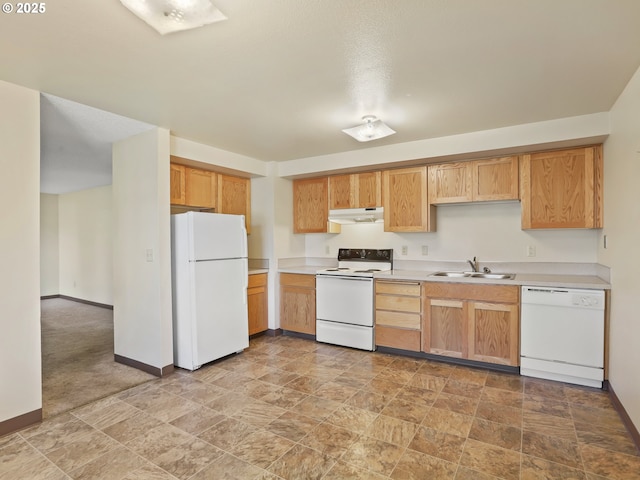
column 255, row 271
column 533, row 279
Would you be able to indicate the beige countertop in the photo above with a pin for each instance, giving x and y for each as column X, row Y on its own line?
column 255, row 271
column 532, row 279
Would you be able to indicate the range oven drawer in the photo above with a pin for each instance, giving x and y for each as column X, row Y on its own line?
column 353, row 336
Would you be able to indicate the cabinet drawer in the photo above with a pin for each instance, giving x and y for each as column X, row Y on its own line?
column 398, row 288
column 298, row 280
column 399, row 304
column 398, row 319
column 398, row 338
column 257, row 280
column 486, row 293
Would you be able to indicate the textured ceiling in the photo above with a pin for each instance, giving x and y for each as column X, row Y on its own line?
column 279, row 79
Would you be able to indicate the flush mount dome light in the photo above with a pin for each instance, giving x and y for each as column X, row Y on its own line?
column 167, row 16
column 371, row 129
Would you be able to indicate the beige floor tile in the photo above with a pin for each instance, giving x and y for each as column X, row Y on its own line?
column 549, row 425
column 614, row 465
column 463, row 388
column 417, row 466
column 438, row 444
column 101, row 418
column 292, row 425
column 352, row 418
column 162, row 405
column 547, row 406
column 316, row 407
column 392, row 430
column 609, row 439
column 341, row 471
column 502, row 397
column 370, row 454
column 504, row 381
column 385, row 387
column 278, row 377
column 406, row 410
column 258, row 413
column 114, row 465
column 228, row 467
column 534, row 468
column 471, row 375
column 227, row 433
column 456, row 403
column 544, row 388
column 149, row 472
column 555, row 449
column 335, row 391
column 498, row 434
column 417, row 395
column 261, row 448
column 230, row 403
column 500, row 414
column 374, row 402
column 490, row 459
column 284, row 397
column 130, row 428
column 87, row 448
column 448, row 422
column 329, row 439
column 198, row 420
column 597, row 417
column 465, row 473
column 58, row 432
column 301, row 462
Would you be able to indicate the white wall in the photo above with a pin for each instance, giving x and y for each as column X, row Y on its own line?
column 49, row 247
column 141, row 223
column 491, row 232
column 622, row 228
column 85, row 245
column 20, row 357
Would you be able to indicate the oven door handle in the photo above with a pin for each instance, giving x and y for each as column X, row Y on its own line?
column 357, row 279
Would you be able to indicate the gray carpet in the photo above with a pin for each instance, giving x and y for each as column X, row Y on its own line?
column 77, row 356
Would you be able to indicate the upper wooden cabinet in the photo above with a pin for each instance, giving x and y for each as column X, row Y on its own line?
column 200, row 188
column 311, row 205
column 234, row 197
column 404, row 198
column 474, row 181
column 178, row 184
column 562, row 189
column 358, row 190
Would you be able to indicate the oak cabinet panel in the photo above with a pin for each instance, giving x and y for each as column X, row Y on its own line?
column 178, row 184
column 562, row 189
column 444, row 330
column 234, row 197
column 493, row 333
column 311, row 205
column 474, row 181
column 200, row 188
column 450, row 183
column 257, row 303
column 298, row 303
column 358, row 190
column 404, row 198
column 398, row 314
column 475, row 322
column 495, row 179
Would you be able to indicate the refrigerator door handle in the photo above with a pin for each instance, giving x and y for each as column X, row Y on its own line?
column 246, row 279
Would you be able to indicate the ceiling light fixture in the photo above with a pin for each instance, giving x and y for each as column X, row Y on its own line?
column 371, row 129
column 168, row 16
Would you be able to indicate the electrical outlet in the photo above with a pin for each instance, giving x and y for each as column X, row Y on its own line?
column 425, row 249
column 405, row 250
column 149, row 254
column 327, row 249
column 531, row 251
column 604, row 241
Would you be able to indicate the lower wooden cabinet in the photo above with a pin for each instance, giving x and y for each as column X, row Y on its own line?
column 475, row 322
column 398, row 314
column 298, row 303
column 257, row 303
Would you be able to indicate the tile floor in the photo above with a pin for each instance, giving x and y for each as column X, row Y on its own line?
column 295, row 409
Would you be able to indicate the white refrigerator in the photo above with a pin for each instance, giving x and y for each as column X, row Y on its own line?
column 209, row 285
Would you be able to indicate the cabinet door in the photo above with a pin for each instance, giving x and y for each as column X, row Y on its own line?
column 493, row 333
column 177, row 183
column 257, row 303
column 234, row 197
column 450, row 183
column 404, row 198
column 495, row 179
column 201, row 188
column 342, row 191
column 398, row 315
column 444, row 328
column 562, row 189
column 369, row 190
column 310, row 205
column 298, row 309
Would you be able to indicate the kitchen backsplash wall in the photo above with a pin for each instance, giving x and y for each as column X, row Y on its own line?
column 491, row 232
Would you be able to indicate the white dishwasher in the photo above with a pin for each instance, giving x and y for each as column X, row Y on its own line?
column 562, row 335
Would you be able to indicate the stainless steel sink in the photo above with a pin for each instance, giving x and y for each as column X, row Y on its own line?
column 491, row 276
column 450, row 274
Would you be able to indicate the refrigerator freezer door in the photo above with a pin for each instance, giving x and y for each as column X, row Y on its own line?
column 220, row 309
column 217, row 236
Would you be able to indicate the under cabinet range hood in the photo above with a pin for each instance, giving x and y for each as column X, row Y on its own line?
column 356, row 215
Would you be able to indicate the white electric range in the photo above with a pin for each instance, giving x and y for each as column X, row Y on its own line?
column 345, row 297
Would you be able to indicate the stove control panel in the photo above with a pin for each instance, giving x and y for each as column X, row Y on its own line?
column 370, row 255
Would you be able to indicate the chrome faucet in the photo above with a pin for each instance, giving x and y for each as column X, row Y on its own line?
column 474, row 264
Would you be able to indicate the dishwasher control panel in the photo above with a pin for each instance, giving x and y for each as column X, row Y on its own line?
column 582, row 300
